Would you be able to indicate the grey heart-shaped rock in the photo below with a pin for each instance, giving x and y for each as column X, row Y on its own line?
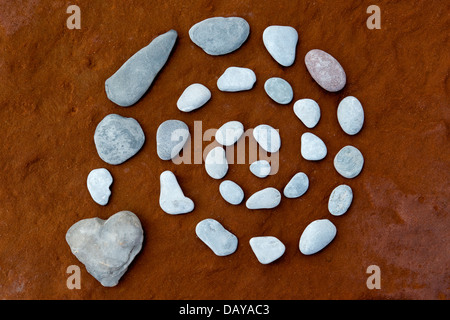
column 106, row 247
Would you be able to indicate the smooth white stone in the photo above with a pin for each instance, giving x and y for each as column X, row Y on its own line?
column 229, row 133
column 267, row 137
column 316, row 236
column 350, row 114
column 171, row 137
column 340, row 200
column 281, row 42
column 312, row 147
column 308, row 111
column 236, row 79
column 297, row 186
column 216, row 163
column 98, row 183
column 267, row 198
column 267, row 249
column 279, row 90
column 221, row 241
column 171, row 198
column 349, row 162
column 231, row 192
column 260, row 168
column 193, row 97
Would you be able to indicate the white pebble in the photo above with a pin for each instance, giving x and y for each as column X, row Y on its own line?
column 267, row 249
column 229, row 133
column 308, row 111
column 193, row 97
column 98, row 183
column 267, row 198
column 349, row 162
column 316, row 236
column 231, row 192
column 267, row 137
column 279, row 90
column 350, row 114
column 171, row 198
column 297, row 186
column 281, row 42
column 260, row 168
column 340, row 200
column 221, row 241
column 312, row 147
column 236, row 79
column 216, row 163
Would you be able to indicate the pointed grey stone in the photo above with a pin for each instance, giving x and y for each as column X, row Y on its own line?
column 128, row 84
column 281, row 42
column 98, row 183
column 267, row 249
column 297, row 186
column 349, row 162
column 340, row 200
column 219, row 35
column 308, row 111
column 171, row 137
column 117, row 138
column 236, row 79
column 267, row 198
column 350, row 115
column 106, row 247
column 221, row 241
column 231, row 192
column 312, row 147
column 279, row 90
column 316, row 236
column 171, row 198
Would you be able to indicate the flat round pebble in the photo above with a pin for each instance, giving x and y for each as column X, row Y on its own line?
column 267, row 249
column 279, row 90
column 267, row 198
column 193, row 97
column 229, row 133
column 312, row 147
column 171, row 198
column 340, row 200
column 281, row 42
column 117, row 138
column 221, row 241
column 349, row 162
column 171, row 137
column 231, row 192
column 297, row 186
column 267, row 137
column 130, row 82
column 316, row 236
column 325, row 70
column 308, row 111
column 236, row 79
column 350, row 114
column 98, row 183
column 216, row 163
column 219, row 35
column 260, row 168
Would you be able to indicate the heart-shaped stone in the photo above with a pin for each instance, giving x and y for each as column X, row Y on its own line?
column 106, row 247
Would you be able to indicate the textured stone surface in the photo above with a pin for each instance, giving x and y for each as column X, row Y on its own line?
column 171, row 198
column 325, row 70
column 117, row 138
column 350, row 114
column 340, row 200
column 349, row 162
column 171, row 137
column 128, row 84
column 221, row 241
column 281, row 42
column 106, row 247
column 219, row 35
column 316, row 236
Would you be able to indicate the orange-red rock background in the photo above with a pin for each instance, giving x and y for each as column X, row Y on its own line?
column 52, row 97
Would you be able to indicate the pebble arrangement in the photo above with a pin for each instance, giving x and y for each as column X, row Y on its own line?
column 107, row 247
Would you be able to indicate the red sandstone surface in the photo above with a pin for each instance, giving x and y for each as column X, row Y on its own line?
column 52, row 97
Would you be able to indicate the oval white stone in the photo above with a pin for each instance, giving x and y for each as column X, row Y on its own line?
column 297, row 186
column 267, row 249
column 229, row 133
column 308, row 111
column 281, row 42
column 260, row 168
column 171, row 198
column 216, row 163
column 340, row 200
column 350, row 114
column 267, row 137
column 312, row 147
column 171, row 137
column 267, row 198
column 193, row 97
column 221, row 241
column 98, row 183
column 349, row 162
column 231, row 192
column 236, row 79
column 316, row 236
